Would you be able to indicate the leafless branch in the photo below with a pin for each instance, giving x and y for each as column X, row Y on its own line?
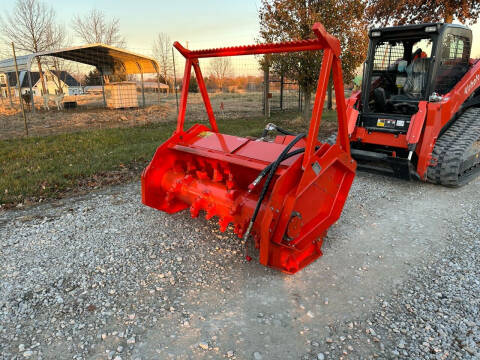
column 94, row 28
column 162, row 52
column 31, row 26
column 220, row 68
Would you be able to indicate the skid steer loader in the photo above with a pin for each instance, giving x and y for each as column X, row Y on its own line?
column 418, row 112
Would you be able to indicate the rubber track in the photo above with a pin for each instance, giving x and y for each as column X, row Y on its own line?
column 450, row 148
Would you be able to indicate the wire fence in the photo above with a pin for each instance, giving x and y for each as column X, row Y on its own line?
column 285, row 94
column 69, row 96
column 234, row 85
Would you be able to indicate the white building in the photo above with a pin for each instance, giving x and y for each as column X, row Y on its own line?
column 54, row 81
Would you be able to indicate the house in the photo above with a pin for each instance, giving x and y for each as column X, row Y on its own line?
column 54, row 80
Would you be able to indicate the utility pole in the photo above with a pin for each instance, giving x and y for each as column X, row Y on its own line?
column 19, row 87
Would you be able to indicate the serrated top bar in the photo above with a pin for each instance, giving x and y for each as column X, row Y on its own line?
column 324, row 40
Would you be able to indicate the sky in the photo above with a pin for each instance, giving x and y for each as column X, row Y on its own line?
column 201, row 23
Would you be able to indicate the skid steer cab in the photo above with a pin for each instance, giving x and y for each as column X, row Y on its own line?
column 284, row 194
column 417, row 115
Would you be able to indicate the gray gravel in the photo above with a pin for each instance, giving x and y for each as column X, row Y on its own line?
column 434, row 313
column 103, row 277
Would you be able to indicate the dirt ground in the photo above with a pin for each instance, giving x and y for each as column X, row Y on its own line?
column 91, row 114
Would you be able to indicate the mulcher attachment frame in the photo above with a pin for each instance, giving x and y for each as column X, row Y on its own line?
column 290, row 209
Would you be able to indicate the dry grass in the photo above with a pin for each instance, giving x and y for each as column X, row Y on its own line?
column 91, row 114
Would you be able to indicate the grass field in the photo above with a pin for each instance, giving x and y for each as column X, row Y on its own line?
column 38, row 168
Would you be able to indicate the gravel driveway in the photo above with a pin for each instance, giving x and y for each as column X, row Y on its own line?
column 103, row 277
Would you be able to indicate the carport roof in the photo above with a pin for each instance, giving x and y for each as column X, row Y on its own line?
column 107, row 59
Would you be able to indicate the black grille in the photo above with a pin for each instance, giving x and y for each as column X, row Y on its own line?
column 455, row 54
column 386, row 55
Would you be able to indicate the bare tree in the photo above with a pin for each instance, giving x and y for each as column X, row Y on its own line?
column 59, row 69
column 31, row 26
column 162, row 52
column 93, row 27
column 56, row 65
column 220, row 69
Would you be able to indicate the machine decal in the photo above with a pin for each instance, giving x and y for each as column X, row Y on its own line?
column 472, row 84
column 388, row 123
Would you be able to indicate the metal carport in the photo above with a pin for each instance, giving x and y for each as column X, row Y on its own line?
column 107, row 59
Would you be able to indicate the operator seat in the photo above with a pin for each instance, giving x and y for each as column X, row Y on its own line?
column 415, row 84
column 417, row 73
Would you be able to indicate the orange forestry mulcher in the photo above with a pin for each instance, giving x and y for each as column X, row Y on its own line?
column 285, row 194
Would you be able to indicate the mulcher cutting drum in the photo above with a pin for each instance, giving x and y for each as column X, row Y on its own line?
column 285, row 194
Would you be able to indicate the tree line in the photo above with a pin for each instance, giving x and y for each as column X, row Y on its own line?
column 348, row 20
column 33, row 27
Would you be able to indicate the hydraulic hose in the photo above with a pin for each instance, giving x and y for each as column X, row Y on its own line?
column 283, row 131
column 271, row 126
column 272, row 171
column 269, row 166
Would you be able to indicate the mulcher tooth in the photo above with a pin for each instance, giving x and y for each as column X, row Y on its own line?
column 239, row 230
column 191, row 166
column 229, row 182
column 232, row 194
column 196, row 207
column 187, row 179
column 223, row 223
column 203, row 175
column 210, row 211
column 217, row 175
column 179, row 166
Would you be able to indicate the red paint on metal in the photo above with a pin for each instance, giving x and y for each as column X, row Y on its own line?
column 183, row 98
column 352, row 112
column 416, row 124
column 203, row 170
column 318, row 106
column 380, row 138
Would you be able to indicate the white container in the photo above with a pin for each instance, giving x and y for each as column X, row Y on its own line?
column 120, row 95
